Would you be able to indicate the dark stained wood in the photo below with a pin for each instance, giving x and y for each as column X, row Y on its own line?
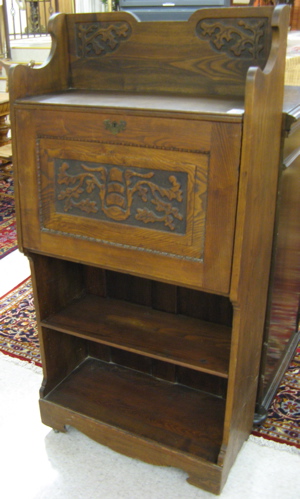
column 208, row 307
column 131, row 360
column 203, row 381
column 146, row 176
column 56, row 283
column 99, row 351
column 135, row 290
column 180, row 340
column 95, row 281
column 174, row 416
column 129, row 288
column 165, row 370
column 60, row 355
column 164, row 298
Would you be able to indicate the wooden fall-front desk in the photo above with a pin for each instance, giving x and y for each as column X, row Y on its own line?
column 147, row 159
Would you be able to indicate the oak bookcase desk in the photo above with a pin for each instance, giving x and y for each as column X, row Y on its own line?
column 146, row 159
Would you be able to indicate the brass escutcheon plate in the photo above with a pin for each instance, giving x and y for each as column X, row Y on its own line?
column 115, row 127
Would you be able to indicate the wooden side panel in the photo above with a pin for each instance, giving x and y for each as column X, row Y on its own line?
column 23, row 81
column 55, row 284
column 51, row 76
column 255, row 224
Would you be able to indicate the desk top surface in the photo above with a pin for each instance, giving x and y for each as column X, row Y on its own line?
column 233, row 109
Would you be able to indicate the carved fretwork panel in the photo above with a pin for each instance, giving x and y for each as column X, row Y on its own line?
column 242, row 38
column 134, row 196
column 96, row 39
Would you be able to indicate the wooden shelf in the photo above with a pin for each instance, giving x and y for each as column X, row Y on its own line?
column 173, row 338
column 173, row 415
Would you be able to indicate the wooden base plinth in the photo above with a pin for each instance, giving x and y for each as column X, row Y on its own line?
column 204, row 475
column 141, row 428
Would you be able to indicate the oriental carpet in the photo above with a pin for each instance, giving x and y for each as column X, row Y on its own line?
column 18, row 328
column 8, row 236
column 283, row 420
column 18, row 338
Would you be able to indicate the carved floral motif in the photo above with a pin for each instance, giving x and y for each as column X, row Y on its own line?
column 97, row 39
column 239, row 38
column 121, row 194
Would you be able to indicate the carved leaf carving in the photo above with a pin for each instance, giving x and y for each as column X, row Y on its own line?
column 114, row 191
column 237, row 38
column 99, row 38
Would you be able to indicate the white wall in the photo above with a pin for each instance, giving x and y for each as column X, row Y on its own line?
column 88, row 6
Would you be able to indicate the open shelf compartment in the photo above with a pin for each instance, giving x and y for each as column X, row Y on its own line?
column 181, row 418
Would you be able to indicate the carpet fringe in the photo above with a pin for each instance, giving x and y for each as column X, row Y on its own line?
column 22, row 363
column 264, row 442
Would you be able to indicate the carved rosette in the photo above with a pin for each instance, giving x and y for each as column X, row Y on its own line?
column 235, row 37
column 135, row 196
column 99, row 38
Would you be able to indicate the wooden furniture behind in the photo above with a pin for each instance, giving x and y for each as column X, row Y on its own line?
column 4, row 114
column 5, row 142
column 146, row 159
column 282, row 333
column 295, row 15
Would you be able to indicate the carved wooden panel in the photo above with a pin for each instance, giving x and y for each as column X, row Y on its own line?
column 94, row 39
column 245, row 38
column 153, row 199
column 135, row 196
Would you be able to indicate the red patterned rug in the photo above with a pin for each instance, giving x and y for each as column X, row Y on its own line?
column 8, row 235
column 18, row 338
column 283, row 421
column 18, row 328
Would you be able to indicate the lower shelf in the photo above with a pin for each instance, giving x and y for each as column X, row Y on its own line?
column 174, row 338
column 171, row 415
